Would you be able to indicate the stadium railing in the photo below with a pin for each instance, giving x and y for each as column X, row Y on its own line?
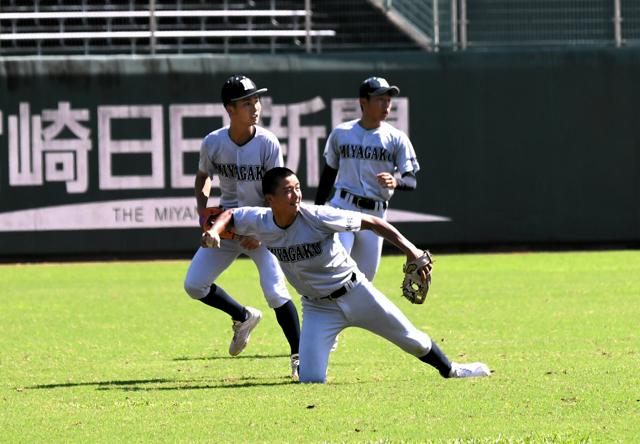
column 463, row 24
column 61, row 26
column 116, row 27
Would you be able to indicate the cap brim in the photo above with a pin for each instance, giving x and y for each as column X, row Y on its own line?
column 257, row 92
column 391, row 90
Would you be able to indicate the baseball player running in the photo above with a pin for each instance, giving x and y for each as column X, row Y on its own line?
column 240, row 154
column 335, row 293
column 364, row 154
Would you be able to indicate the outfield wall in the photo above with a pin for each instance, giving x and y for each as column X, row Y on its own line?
column 98, row 155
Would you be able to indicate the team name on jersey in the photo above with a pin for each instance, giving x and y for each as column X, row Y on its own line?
column 365, row 152
column 297, row 253
column 249, row 173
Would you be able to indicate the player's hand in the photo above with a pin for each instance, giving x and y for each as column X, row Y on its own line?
column 249, row 242
column 424, row 271
column 210, row 239
column 387, row 180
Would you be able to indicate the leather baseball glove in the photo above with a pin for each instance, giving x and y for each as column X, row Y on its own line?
column 413, row 287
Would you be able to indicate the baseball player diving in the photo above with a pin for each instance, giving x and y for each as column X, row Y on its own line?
column 363, row 155
column 335, row 293
column 240, row 154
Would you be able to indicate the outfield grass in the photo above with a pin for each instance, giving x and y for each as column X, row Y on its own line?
column 116, row 352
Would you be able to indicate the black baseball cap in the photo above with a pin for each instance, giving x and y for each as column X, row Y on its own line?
column 377, row 86
column 238, row 87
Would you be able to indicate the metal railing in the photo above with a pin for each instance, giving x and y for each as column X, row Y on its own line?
column 462, row 24
column 54, row 31
column 186, row 26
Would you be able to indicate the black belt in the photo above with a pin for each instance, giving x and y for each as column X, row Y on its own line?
column 342, row 290
column 363, row 202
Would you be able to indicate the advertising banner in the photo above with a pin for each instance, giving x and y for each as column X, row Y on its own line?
column 101, row 159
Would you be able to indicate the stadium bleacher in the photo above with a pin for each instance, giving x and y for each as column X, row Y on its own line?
column 111, row 27
column 57, row 27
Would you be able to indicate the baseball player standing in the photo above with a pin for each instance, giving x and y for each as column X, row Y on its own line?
column 335, row 293
column 364, row 154
column 240, row 154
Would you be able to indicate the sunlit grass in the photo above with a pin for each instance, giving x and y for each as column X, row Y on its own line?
column 116, row 352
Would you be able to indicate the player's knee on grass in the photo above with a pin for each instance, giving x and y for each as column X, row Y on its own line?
column 311, row 378
column 311, row 371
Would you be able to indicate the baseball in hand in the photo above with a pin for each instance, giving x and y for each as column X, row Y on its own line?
column 210, row 240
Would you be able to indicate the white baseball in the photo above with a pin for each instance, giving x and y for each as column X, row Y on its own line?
column 211, row 240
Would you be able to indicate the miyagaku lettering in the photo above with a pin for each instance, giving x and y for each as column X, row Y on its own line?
column 297, row 253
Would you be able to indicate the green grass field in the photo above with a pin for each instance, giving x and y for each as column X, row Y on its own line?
column 116, row 352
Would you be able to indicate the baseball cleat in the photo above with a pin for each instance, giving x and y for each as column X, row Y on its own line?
column 471, row 370
column 242, row 331
column 295, row 364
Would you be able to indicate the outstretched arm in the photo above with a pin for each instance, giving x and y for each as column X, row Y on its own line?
column 390, row 233
column 211, row 237
column 327, row 179
column 224, row 222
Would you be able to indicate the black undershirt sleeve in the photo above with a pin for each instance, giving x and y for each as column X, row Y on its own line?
column 327, row 179
column 407, row 182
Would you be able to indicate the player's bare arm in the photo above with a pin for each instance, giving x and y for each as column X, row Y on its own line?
column 387, row 231
column 202, row 187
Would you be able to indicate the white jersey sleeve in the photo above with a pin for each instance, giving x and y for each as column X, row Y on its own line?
column 250, row 221
column 331, row 151
column 257, row 220
column 204, row 164
column 333, row 220
column 272, row 153
column 405, row 155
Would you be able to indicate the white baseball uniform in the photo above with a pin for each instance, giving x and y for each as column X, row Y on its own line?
column 335, row 293
column 240, row 169
column 359, row 155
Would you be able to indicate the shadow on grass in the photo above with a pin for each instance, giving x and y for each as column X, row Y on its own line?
column 216, row 357
column 203, row 385
column 160, row 384
column 102, row 383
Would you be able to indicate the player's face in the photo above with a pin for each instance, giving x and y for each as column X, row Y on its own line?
column 246, row 112
column 376, row 107
column 285, row 201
